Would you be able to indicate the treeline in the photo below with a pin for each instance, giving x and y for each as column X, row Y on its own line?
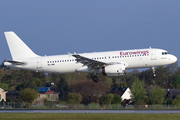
column 167, row 77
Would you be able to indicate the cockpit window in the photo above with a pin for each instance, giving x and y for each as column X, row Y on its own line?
column 165, row 53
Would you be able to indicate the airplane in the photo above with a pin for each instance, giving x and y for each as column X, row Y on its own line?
column 111, row 63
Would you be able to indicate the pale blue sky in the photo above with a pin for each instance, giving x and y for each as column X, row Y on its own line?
column 52, row 27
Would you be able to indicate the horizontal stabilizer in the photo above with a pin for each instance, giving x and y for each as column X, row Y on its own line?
column 14, row 62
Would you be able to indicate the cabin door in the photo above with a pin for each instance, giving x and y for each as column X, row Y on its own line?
column 39, row 63
column 153, row 54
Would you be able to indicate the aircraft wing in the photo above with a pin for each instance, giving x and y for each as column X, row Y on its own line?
column 89, row 62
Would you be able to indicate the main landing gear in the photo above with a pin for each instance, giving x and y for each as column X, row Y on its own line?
column 95, row 77
column 154, row 71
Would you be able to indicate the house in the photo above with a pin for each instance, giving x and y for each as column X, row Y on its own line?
column 12, row 95
column 50, row 93
column 124, row 92
column 2, row 94
column 172, row 93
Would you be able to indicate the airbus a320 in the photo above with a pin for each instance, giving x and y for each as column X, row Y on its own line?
column 111, row 63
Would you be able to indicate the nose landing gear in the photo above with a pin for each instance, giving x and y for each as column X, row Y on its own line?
column 154, row 71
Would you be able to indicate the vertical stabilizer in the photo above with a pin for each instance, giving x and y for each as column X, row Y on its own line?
column 17, row 47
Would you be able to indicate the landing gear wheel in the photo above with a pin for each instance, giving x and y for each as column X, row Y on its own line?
column 154, row 71
column 95, row 78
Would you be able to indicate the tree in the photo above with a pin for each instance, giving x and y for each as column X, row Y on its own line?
column 176, row 101
column 74, row 98
column 117, row 99
column 124, row 84
column 106, row 99
column 138, row 91
column 28, row 95
column 176, row 82
column 4, row 86
column 88, row 89
column 156, row 96
column 37, row 82
column 62, row 86
column 114, row 84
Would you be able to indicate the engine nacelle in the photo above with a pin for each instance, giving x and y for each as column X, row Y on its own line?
column 114, row 70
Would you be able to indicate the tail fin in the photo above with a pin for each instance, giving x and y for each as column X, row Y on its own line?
column 17, row 47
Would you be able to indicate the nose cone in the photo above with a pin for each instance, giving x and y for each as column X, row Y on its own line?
column 174, row 59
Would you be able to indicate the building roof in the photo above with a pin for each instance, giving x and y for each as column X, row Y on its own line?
column 44, row 89
column 3, row 90
column 119, row 90
column 13, row 92
column 52, row 89
column 173, row 93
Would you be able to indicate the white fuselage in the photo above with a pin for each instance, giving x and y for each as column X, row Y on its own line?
column 139, row 58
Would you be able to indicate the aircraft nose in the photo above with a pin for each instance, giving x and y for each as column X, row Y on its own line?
column 174, row 59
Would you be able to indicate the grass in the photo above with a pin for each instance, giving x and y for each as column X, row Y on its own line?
column 86, row 116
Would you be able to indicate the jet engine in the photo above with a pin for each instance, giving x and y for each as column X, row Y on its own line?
column 114, row 70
